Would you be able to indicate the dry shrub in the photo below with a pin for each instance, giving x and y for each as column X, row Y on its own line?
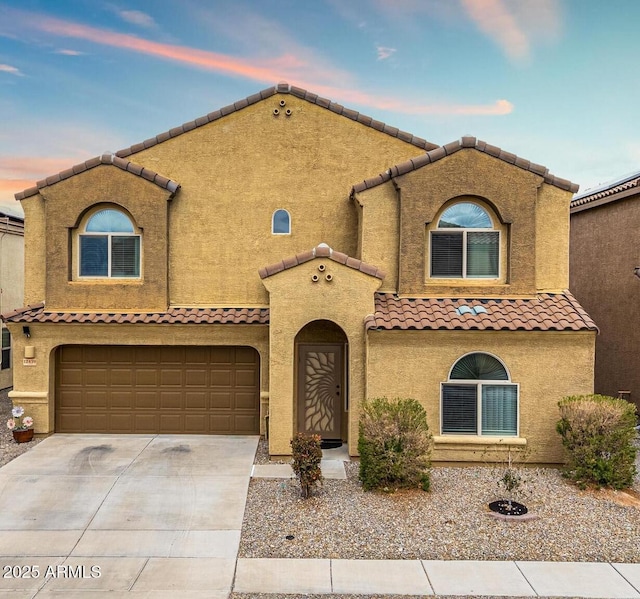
column 394, row 444
column 598, row 432
column 307, row 454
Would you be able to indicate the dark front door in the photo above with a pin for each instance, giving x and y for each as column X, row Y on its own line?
column 320, row 389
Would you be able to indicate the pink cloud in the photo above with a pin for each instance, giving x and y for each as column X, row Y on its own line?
column 514, row 25
column 69, row 52
column 499, row 107
column 5, row 68
column 8, row 189
column 298, row 67
column 493, row 18
column 137, row 17
column 384, row 52
column 32, row 168
column 288, row 65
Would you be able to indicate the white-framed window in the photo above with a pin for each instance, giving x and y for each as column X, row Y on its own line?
column 465, row 244
column 281, row 222
column 6, row 349
column 479, row 398
column 109, row 246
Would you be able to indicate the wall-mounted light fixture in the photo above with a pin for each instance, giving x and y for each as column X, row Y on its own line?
column 26, row 332
column 636, row 271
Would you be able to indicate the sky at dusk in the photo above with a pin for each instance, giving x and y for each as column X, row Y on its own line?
column 554, row 81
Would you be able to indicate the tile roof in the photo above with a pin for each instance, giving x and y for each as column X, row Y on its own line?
column 604, row 194
column 38, row 314
column 450, row 148
column 320, row 251
column 281, row 88
column 125, row 165
column 546, row 312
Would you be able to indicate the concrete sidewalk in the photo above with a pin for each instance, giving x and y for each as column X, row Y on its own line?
column 414, row 577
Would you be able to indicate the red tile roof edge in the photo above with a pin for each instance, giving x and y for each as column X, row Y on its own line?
column 322, row 250
column 466, row 142
column 280, row 88
column 112, row 159
column 500, row 314
column 600, row 196
column 37, row 314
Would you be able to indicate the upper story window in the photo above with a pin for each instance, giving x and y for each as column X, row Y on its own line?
column 109, row 246
column 479, row 398
column 281, row 223
column 465, row 244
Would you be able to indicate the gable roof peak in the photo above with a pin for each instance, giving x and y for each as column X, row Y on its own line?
column 281, row 88
column 107, row 158
column 466, row 142
column 322, row 250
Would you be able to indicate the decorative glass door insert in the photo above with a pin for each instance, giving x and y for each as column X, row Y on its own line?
column 320, row 388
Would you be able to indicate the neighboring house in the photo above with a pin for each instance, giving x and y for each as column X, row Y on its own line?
column 11, row 284
column 605, row 253
column 246, row 264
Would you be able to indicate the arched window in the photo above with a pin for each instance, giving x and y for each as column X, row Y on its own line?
column 109, row 246
column 465, row 244
column 479, row 398
column 281, row 223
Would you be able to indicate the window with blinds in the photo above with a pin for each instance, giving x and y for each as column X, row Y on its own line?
column 462, row 247
column 109, row 246
column 6, row 349
column 479, row 398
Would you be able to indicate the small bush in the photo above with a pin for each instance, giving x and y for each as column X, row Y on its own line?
column 394, row 444
column 598, row 433
column 307, row 454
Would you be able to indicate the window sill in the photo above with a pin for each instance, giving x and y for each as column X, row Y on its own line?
column 477, row 440
column 106, row 281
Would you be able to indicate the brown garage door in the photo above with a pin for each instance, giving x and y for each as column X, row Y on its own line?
column 151, row 389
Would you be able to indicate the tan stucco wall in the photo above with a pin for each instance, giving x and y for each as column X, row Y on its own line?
column 35, row 250
column 34, row 386
column 296, row 301
column 552, row 239
column 236, row 171
column 531, row 215
column 65, row 203
column 546, row 365
column 379, row 231
column 12, row 284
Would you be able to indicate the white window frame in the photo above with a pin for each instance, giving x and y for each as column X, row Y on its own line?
column 273, row 221
column 109, row 236
column 478, row 383
column 464, row 231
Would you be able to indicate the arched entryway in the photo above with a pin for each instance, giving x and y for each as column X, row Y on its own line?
column 322, row 400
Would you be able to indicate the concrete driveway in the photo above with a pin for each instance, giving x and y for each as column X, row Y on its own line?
column 139, row 515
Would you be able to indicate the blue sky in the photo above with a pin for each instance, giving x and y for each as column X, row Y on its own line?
column 554, row 81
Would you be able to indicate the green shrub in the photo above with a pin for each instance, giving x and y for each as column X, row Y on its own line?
column 307, row 454
column 394, row 444
column 598, row 433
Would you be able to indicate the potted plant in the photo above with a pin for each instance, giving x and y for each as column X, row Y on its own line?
column 22, row 430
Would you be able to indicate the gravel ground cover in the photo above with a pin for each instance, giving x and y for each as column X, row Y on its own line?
column 9, row 449
column 451, row 522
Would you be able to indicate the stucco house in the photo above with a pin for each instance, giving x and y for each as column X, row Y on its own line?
column 11, row 284
column 605, row 256
column 288, row 257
